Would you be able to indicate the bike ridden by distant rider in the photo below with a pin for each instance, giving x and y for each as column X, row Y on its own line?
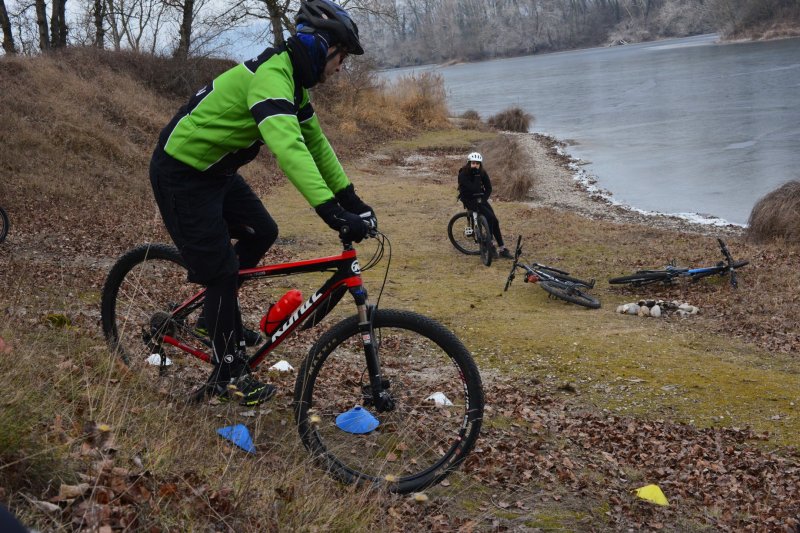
column 474, row 190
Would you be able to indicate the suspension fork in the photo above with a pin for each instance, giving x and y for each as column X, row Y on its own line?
column 378, row 392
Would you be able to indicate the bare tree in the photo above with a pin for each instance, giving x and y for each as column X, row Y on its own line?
column 8, row 36
column 185, row 32
column 58, row 24
column 41, row 23
column 99, row 12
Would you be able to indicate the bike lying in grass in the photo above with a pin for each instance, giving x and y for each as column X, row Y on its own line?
column 4, row 224
column 386, row 397
column 557, row 283
column 470, row 233
column 671, row 272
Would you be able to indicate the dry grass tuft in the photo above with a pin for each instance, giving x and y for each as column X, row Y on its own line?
column 776, row 216
column 512, row 119
column 421, row 98
column 357, row 108
column 503, row 158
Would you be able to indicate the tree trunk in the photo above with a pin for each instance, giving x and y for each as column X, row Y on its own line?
column 41, row 22
column 99, row 28
column 58, row 24
column 5, row 25
column 182, row 52
column 276, row 14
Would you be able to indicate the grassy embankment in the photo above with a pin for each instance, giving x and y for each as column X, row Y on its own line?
column 76, row 189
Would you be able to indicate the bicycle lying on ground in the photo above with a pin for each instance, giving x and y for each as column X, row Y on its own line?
column 470, row 233
column 386, row 397
column 672, row 272
column 4, row 224
column 557, row 283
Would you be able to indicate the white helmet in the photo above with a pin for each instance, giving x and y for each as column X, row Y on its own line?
column 475, row 156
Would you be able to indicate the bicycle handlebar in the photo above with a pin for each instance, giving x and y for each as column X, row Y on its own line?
column 725, row 252
column 372, row 232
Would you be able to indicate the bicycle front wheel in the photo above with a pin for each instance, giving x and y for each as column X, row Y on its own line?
column 437, row 402
column 142, row 290
column 461, row 232
column 570, row 294
column 4, row 224
column 642, row 278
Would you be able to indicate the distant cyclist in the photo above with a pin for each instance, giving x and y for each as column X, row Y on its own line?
column 203, row 199
column 474, row 189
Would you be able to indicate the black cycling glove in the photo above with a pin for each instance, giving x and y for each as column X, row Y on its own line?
column 348, row 199
column 349, row 225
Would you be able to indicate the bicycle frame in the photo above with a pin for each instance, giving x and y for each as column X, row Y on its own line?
column 346, row 276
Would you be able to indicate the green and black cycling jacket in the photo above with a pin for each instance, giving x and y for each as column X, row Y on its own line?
column 260, row 101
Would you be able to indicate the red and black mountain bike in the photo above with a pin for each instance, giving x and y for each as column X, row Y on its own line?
column 384, row 396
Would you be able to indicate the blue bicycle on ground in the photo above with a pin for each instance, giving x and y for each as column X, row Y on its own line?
column 671, row 272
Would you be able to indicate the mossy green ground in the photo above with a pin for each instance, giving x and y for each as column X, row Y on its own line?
column 676, row 369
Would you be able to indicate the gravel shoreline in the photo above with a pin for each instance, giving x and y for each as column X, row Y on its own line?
column 558, row 184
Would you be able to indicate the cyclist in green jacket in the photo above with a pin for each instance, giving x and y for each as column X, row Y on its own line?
column 205, row 202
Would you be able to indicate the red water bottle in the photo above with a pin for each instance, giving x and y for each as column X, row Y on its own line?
column 280, row 310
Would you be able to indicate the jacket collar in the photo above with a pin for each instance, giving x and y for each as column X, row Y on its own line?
column 301, row 62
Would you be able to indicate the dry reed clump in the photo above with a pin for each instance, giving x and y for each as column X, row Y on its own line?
column 421, row 98
column 358, row 109
column 512, row 119
column 777, row 215
column 506, row 163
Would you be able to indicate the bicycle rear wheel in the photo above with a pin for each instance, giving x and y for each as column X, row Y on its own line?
column 570, row 294
column 485, row 241
column 437, row 394
column 461, row 232
column 4, row 224
column 143, row 288
column 642, row 278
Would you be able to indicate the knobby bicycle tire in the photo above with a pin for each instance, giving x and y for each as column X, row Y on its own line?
column 433, row 381
column 4, row 224
column 570, row 294
column 642, row 278
column 485, row 240
column 142, row 289
column 462, row 234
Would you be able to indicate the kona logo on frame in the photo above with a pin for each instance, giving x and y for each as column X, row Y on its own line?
column 292, row 319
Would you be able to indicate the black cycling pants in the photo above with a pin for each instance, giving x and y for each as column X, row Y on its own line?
column 201, row 211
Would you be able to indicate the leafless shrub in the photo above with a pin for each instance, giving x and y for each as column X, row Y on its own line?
column 777, row 215
column 512, row 119
column 470, row 114
column 167, row 76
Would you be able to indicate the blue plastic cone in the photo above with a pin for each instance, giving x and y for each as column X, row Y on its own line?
column 238, row 435
column 357, row 420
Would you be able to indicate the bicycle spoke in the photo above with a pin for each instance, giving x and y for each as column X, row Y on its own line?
column 138, row 300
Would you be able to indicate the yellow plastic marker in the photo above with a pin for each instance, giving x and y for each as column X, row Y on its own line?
column 653, row 494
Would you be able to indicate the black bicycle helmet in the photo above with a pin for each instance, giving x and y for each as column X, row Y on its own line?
column 331, row 18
